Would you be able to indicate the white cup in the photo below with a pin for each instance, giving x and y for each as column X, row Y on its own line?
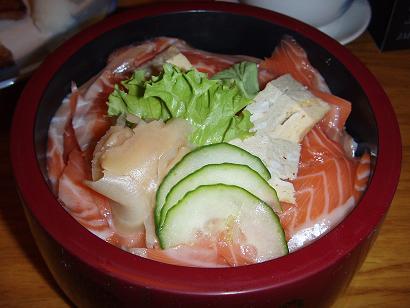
column 314, row 12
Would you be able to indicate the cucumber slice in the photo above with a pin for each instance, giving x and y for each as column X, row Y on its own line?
column 226, row 173
column 217, row 153
column 211, row 209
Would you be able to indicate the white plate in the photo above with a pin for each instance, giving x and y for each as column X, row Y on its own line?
column 351, row 24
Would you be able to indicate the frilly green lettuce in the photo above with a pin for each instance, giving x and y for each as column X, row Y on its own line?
column 212, row 106
column 244, row 74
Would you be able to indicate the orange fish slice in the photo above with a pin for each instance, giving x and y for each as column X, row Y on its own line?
column 327, row 187
column 85, row 205
column 212, row 63
column 290, row 58
column 58, row 139
column 221, row 251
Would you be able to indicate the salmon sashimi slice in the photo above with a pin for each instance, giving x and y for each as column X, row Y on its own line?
column 206, row 252
column 183, row 256
column 88, row 207
column 60, row 138
column 127, row 59
column 70, row 141
column 334, row 121
column 264, row 76
column 328, row 186
column 290, row 58
column 212, row 63
column 128, row 242
column 55, row 145
column 90, row 120
column 363, row 173
column 232, row 247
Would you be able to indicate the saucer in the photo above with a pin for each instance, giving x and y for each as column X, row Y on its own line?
column 347, row 27
column 351, row 24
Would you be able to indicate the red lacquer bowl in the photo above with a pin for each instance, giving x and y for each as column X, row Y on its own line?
column 94, row 273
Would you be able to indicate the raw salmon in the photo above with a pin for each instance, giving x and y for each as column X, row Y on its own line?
column 328, row 186
column 88, row 207
column 128, row 59
column 224, row 249
column 128, row 243
column 212, row 63
column 90, row 120
column 363, row 173
column 60, row 138
column 333, row 124
column 183, row 256
column 290, row 58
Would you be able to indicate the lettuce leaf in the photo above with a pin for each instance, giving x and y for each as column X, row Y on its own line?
column 134, row 102
column 213, row 107
column 244, row 74
column 239, row 127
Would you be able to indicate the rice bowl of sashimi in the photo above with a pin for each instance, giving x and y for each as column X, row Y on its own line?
column 204, row 154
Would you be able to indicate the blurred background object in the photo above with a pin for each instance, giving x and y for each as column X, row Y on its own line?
column 30, row 29
column 131, row 3
column 344, row 20
column 307, row 11
column 14, row 9
column 390, row 24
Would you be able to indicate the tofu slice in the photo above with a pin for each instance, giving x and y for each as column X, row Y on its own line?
column 181, row 61
column 285, row 109
column 284, row 190
column 280, row 156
